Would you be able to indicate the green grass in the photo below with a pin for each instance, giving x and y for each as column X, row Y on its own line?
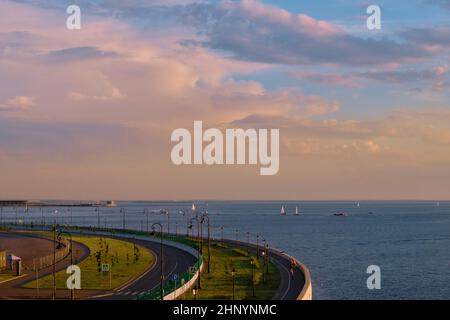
column 111, row 251
column 219, row 283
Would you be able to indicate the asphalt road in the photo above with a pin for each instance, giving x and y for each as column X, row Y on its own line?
column 291, row 285
column 176, row 261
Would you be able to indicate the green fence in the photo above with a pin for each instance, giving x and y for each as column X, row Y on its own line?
column 172, row 284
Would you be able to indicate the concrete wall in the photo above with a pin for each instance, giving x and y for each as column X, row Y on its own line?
column 306, row 293
column 185, row 288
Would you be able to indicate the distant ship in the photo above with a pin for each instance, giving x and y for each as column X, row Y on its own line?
column 297, row 213
column 282, row 211
column 340, row 214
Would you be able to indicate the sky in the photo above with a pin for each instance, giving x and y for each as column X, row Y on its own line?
column 88, row 114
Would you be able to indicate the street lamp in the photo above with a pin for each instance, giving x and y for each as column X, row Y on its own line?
column 159, row 225
column 248, row 242
column 264, row 265
column 146, row 213
column 61, row 232
column 233, row 275
column 98, row 218
column 206, row 216
column 54, row 262
column 198, row 249
column 252, row 262
column 122, row 210
column 257, row 246
column 54, row 256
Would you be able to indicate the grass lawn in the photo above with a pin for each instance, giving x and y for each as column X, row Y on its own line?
column 119, row 254
column 219, row 284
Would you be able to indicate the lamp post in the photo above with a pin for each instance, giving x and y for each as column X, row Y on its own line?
column 98, row 218
column 206, row 216
column 248, row 242
column 122, row 210
column 54, row 256
column 72, row 292
column 146, row 214
column 159, row 225
column 198, row 249
column 54, row 263
column 233, row 275
column 257, row 246
column 263, row 253
column 252, row 262
column 267, row 258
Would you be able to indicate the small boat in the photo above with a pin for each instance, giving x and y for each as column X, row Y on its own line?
column 297, row 213
column 340, row 214
column 164, row 211
column 358, row 205
column 282, row 211
column 193, row 207
column 438, row 204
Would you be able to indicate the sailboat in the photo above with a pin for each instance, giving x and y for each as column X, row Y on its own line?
column 282, row 211
column 296, row 211
column 358, row 205
column 438, row 204
column 193, row 207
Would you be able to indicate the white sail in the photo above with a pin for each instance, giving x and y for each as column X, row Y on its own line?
column 358, row 205
column 282, row 211
column 193, row 207
column 437, row 204
column 296, row 211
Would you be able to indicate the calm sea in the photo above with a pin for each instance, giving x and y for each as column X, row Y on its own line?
column 409, row 241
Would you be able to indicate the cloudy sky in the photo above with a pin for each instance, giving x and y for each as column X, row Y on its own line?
column 87, row 114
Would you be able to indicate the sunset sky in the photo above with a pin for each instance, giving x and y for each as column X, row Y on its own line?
column 88, row 114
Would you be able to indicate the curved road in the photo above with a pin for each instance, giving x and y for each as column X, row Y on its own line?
column 176, row 261
column 291, row 285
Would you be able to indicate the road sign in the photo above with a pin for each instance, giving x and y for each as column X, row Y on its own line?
column 192, row 269
column 105, row 267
